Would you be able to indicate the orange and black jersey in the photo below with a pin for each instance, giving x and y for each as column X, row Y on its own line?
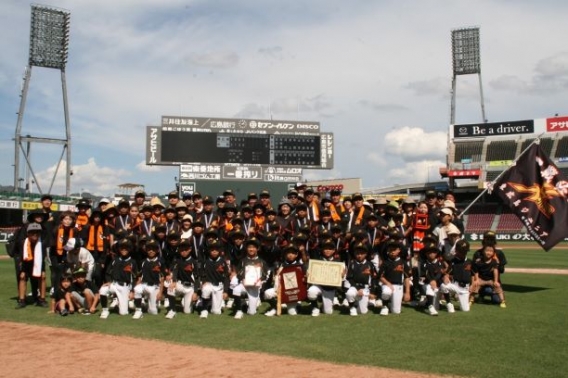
column 152, row 271
column 256, row 262
column 395, row 271
column 460, row 270
column 185, row 271
column 122, row 270
column 361, row 274
column 433, row 270
column 215, row 272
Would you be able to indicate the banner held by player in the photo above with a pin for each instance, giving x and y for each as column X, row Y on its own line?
column 537, row 193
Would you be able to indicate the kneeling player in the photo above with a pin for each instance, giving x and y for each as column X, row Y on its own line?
column 182, row 279
column 328, row 253
column 215, row 281
column 252, row 273
column 360, row 281
column 291, row 259
column 151, row 281
column 394, row 276
column 120, row 276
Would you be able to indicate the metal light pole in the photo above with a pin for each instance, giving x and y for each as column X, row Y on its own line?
column 49, row 43
column 465, row 61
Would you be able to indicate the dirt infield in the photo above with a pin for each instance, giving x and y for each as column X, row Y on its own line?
column 31, row 350
column 536, row 271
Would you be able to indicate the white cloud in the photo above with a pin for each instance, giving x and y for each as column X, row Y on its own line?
column 377, row 159
column 413, row 143
column 416, row 172
column 216, row 59
column 143, row 167
column 88, row 177
column 319, row 174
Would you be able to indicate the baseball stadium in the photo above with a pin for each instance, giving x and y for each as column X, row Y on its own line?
column 247, row 269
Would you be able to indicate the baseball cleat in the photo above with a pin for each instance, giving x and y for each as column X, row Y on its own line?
column 384, row 311
column 292, row 311
column 432, row 311
column 239, row 315
column 204, row 314
column 104, row 313
column 353, row 311
column 138, row 314
column 171, row 314
column 316, row 312
column 450, row 308
column 270, row 312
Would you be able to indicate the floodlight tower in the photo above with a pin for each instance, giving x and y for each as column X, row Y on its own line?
column 49, row 43
column 466, row 61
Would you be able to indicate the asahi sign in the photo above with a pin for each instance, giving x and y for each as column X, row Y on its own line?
column 153, row 155
column 483, row 130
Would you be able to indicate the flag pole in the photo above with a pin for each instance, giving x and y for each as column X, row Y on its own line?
column 490, row 185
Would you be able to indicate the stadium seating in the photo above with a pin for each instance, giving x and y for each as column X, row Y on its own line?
column 468, row 150
column 562, row 147
column 545, row 144
column 509, row 222
column 480, row 218
column 498, row 150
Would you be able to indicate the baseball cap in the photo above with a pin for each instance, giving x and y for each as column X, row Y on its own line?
column 140, row 193
column 34, row 227
column 264, row 193
column 335, row 192
column 446, row 211
column 173, row 194
column 357, row 197
column 80, row 272
column 72, row 244
column 462, row 246
column 430, row 194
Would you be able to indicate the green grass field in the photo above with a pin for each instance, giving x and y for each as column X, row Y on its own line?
column 526, row 339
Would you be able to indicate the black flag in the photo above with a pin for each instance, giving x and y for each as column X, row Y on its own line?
column 537, row 193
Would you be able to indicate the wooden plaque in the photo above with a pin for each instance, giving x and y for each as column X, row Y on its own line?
column 325, row 273
column 291, row 284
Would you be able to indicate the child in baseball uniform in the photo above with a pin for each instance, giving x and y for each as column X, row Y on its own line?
column 458, row 278
column 291, row 259
column 151, row 281
column 394, row 279
column 121, row 275
column 214, row 280
column 252, row 273
column 327, row 293
column 182, row 280
column 360, row 280
column 433, row 268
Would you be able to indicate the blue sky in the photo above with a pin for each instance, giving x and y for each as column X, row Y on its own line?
column 375, row 73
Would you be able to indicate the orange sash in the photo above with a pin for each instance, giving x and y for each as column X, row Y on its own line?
column 96, row 241
column 60, row 242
